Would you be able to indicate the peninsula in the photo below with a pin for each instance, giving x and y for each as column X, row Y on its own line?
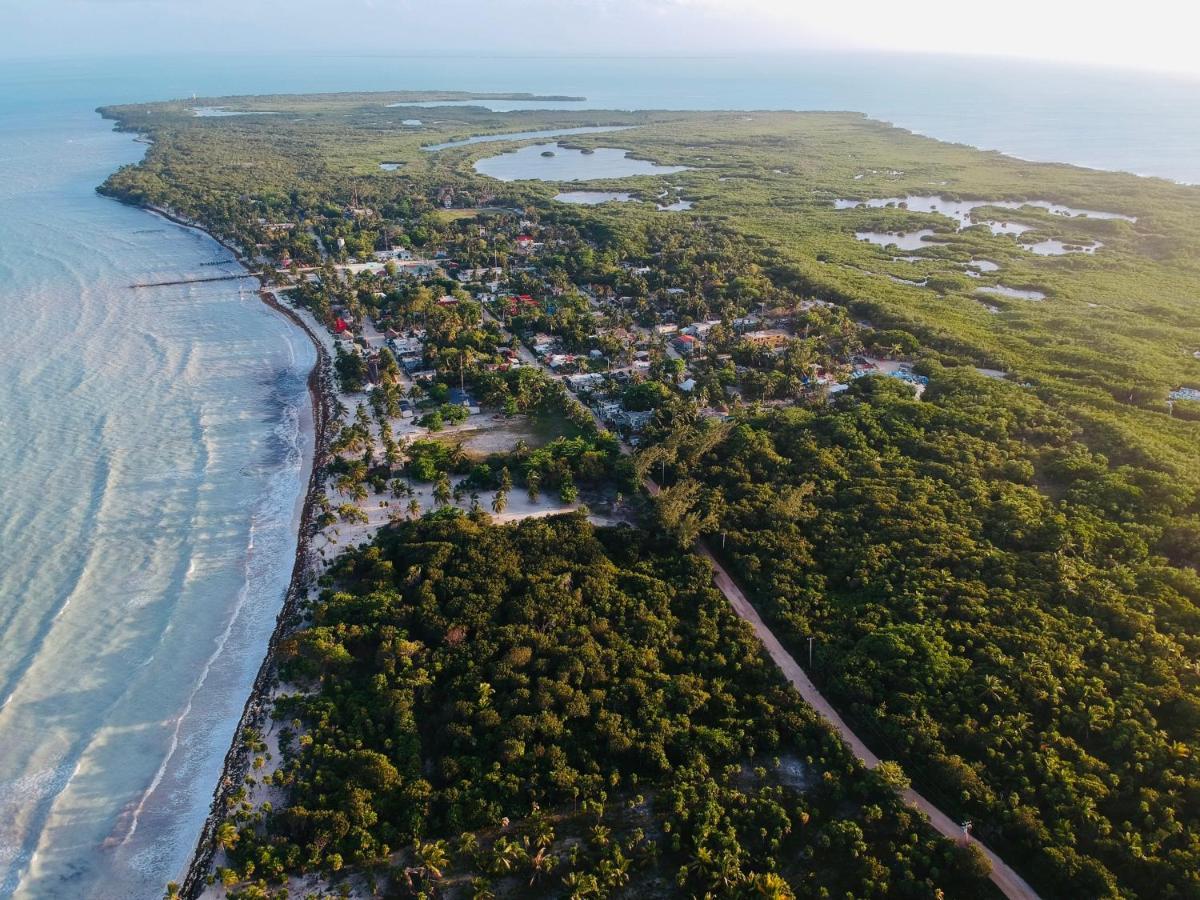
column 929, row 414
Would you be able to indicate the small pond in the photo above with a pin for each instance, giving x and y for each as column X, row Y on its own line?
column 901, row 240
column 567, row 164
column 593, row 198
column 1012, row 293
column 1058, row 248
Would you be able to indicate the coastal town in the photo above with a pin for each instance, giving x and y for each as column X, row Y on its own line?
column 452, row 372
column 516, row 388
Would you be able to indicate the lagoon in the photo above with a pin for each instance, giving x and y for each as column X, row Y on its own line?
column 568, row 164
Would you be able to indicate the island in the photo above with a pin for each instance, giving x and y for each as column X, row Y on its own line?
column 927, row 414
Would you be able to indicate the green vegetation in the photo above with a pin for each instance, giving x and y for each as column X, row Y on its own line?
column 995, row 605
column 1000, row 577
column 553, row 710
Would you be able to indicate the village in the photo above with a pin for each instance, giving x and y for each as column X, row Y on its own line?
column 461, row 377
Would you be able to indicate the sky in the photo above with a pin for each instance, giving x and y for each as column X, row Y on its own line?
column 1151, row 34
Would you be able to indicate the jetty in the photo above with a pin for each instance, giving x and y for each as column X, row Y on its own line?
column 150, row 284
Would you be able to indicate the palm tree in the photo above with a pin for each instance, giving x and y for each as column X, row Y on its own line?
column 414, row 508
column 580, row 886
column 432, row 858
column 540, row 865
column 441, row 490
column 500, row 501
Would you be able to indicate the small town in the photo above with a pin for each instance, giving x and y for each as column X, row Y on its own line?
column 509, row 353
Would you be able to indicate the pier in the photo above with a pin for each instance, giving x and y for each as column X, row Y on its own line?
column 150, row 284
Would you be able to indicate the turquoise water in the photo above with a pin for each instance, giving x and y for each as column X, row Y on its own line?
column 153, row 441
column 153, row 451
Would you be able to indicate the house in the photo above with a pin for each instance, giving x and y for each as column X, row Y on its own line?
column 395, row 253
column 746, row 323
column 769, row 338
column 688, row 386
column 479, row 274
column 665, row 329
column 700, row 329
column 686, row 344
column 524, row 243
column 634, row 421
column 558, row 360
column 585, row 381
column 608, row 409
column 447, row 300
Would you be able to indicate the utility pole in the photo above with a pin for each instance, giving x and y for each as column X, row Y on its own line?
column 810, row 648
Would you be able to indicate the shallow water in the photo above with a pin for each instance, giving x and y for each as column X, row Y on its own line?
column 1000, row 290
column 154, row 442
column 1058, row 248
column 962, row 212
column 907, row 240
column 526, row 136
column 567, row 164
column 593, row 198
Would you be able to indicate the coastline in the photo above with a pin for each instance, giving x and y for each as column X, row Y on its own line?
column 323, row 409
column 257, row 707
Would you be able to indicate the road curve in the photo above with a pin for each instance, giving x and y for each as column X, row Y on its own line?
column 1008, row 881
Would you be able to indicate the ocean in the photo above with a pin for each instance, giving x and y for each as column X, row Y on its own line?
column 155, row 442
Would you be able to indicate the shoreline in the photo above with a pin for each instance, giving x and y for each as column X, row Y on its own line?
column 323, row 408
column 257, row 706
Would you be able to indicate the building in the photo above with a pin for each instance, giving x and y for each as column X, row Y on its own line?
column 769, row 338
column 396, row 253
column 586, row 381
column 686, row 344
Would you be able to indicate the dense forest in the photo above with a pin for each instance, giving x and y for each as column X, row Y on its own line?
column 558, row 710
column 1010, row 615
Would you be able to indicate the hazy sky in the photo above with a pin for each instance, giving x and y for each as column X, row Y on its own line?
column 1154, row 34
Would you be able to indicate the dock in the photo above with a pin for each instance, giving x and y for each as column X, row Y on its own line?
column 151, row 284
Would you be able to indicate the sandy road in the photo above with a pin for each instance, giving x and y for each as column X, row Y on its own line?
column 1008, row 881
column 1012, row 885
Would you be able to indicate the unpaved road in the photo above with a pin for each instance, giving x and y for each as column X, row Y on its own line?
column 1008, row 881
